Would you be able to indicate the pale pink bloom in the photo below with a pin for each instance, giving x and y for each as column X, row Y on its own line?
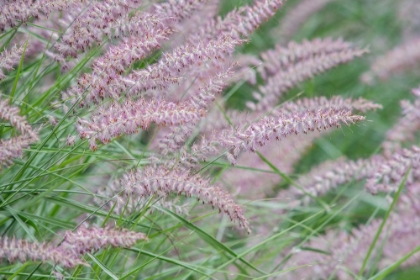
column 177, row 10
column 327, row 176
column 258, row 133
column 127, row 118
column 10, row 58
column 281, row 57
column 20, row 11
column 52, row 120
column 293, row 114
column 144, row 33
column 345, row 252
column 88, row 25
column 259, row 180
column 403, row 57
column 408, row 11
column 323, row 103
column 210, row 88
column 390, row 172
column 107, row 69
column 71, row 139
column 238, row 23
column 15, row 250
column 297, row 16
column 12, row 114
column 292, row 75
column 161, row 182
column 13, row 147
column 208, row 10
column 84, row 240
column 75, row 244
column 158, row 76
column 169, row 69
column 405, row 129
column 174, row 139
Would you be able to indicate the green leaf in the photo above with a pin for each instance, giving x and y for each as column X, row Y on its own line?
column 103, row 267
column 169, row 260
column 209, row 239
column 383, row 273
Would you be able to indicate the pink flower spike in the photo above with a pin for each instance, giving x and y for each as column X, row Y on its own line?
column 127, row 118
column 391, row 172
column 257, row 134
column 10, row 58
column 14, row 250
column 13, row 147
column 292, row 75
column 402, row 57
column 85, row 240
column 297, row 16
column 152, row 180
column 239, row 23
column 16, row 12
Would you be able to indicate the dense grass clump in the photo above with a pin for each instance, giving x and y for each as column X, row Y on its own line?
column 206, row 139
